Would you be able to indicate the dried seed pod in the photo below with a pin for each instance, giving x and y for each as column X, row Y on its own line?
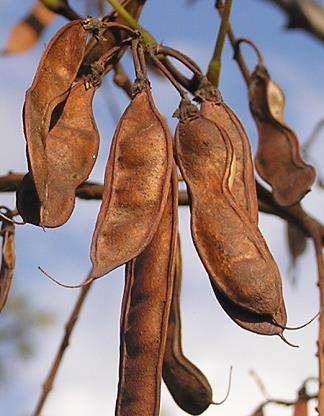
column 278, row 160
column 259, row 324
column 242, row 267
column 144, row 317
column 136, row 185
column 7, row 261
column 56, row 72
column 297, row 242
column 110, row 37
column 26, row 33
column 71, row 151
column 187, row 384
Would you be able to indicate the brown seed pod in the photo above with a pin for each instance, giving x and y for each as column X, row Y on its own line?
column 213, row 108
column 278, row 160
column 259, row 324
column 26, row 33
column 110, row 37
column 56, row 72
column 136, row 185
column 7, row 261
column 241, row 267
column 70, row 153
column 144, row 317
column 297, row 242
column 187, row 384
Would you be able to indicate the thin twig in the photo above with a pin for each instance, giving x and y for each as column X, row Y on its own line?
column 69, row 326
column 214, row 66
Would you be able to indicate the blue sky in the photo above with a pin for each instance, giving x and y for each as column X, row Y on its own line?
column 87, row 382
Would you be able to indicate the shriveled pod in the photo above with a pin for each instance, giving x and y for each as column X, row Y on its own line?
column 136, row 185
column 227, row 240
column 70, row 153
column 278, row 159
column 7, row 260
column 55, row 73
column 187, row 384
column 145, row 315
column 243, row 187
column 110, row 37
column 26, row 33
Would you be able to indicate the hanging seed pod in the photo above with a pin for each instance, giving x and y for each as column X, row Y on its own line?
column 26, row 33
column 144, row 317
column 259, row 324
column 109, row 38
column 56, row 72
column 297, row 243
column 136, row 185
column 214, row 109
column 187, row 384
column 7, row 261
column 278, row 160
column 70, row 153
column 242, row 268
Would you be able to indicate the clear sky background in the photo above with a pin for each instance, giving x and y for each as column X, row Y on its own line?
column 87, row 381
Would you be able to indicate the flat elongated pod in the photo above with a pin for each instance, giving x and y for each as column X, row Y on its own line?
column 259, row 324
column 227, row 240
column 187, row 384
column 70, row 153
column 26, row 33
column 145, row 315
column 136, row 185
column 243, row 187
column 55, row 73
column 278, row 159
column 110, row 37
column 7, row 260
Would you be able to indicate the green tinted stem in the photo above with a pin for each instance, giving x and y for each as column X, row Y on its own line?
column 132, row 23
column 214, row 67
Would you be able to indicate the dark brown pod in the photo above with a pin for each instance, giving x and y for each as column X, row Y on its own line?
column 7, row 260
column 301, row 406
column 110, row 37
column 136, row 185
column 188, row 386
column 70, row 153
column 26, row 33
column 55, row 73
column 278, row 159
column 227, row 240
column 145, row 315
column 297, row 242
column 214, row 108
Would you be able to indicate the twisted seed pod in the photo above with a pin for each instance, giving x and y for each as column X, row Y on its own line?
column 144, row 317
column 187, row 384
column 136, row 185
column 278, row 160
column 70, row 153
column 214, row 108
column 242, row 267
column 7, row 261
column 55, row 73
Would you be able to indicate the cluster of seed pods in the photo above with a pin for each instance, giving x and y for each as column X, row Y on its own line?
column 137, row 224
